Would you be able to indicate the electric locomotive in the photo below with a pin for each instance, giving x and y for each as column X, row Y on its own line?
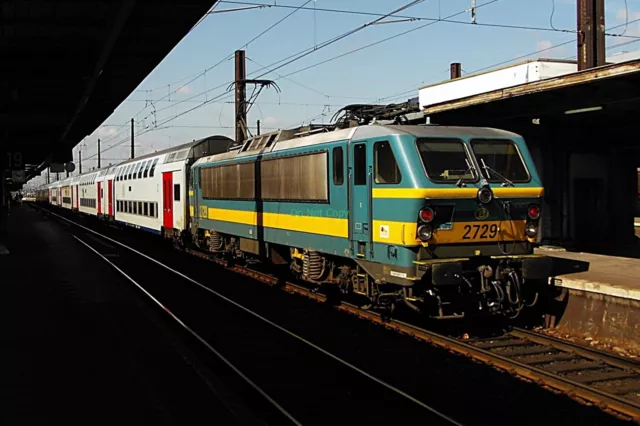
column 442, row 219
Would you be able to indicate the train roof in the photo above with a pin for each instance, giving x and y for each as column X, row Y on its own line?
column 287, row 139
column 195, row 149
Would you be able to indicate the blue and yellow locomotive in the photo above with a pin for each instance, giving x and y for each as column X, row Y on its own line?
column 439, row 218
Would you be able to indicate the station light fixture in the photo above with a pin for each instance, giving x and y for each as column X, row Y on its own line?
column 581, row 110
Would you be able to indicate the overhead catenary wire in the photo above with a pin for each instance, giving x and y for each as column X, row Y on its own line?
column 287, row 61
column 303, row 53
column 555, row 46
column 405, row 18
column 228, row 57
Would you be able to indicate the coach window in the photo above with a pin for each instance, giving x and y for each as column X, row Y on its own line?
column 142, row 166
column 338, row 166
column 151, row 207
column 360, row 164
column 139, row 207
column 385, row 165
column 146, row 209
column 153, row 167
column 146, row 168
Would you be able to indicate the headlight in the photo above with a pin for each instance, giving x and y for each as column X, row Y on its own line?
column 485, row 195
column 531, row 229
column 425, row 232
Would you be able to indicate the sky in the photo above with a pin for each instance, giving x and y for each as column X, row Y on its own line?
column 391, row 71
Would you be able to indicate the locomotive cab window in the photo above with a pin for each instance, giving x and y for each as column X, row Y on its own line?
column 502, row 158
column 360, row 164
column 338, row 166
column 385, row 165
column 445, row 160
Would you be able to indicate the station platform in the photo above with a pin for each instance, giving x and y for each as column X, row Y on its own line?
column 608, row 275
column 79, row 346
column 600, row 299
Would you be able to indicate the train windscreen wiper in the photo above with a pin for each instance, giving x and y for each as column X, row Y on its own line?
column 489, row 170
column 470, row 168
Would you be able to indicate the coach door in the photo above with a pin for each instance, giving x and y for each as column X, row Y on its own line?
column 110, row 197
column 360, row 188
column 99, row 198
column 167, row 199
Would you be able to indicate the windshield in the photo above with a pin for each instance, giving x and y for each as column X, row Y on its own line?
column 501, row 158
column 445, row 160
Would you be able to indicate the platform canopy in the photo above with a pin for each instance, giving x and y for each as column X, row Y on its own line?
column 605, row 96
column 66, row 65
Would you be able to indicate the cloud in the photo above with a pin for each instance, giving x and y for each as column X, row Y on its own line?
column 270, row 121
column 184, row 89
column 543, row 44
column 621, row 15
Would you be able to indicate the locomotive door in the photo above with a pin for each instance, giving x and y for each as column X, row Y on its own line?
column 167, row 199
column 360, row 188
column 110, row 197
column 99, row 198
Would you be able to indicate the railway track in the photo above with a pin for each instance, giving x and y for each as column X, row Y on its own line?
column 587, row 375
column 597, row 377
column 294, row 376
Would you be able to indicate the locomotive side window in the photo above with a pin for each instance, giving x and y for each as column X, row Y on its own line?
column 445, row 160
column 502, row 159
column 385, row 165
column 151, row 208
column 299, row 178
column 338, row 166
column 235, row 181
column 176, row 192
column 360, row 164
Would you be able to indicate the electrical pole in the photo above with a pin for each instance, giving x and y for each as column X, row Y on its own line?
column 258, row 124
column 241, row 97
column 98, row 153
column 80, row 161
column 132, row 139
column 591, row 40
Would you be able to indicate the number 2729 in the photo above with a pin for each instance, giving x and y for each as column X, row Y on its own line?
column 483, row 232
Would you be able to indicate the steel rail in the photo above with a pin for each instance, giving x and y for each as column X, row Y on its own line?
column 572, row 388
column 263, row 278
